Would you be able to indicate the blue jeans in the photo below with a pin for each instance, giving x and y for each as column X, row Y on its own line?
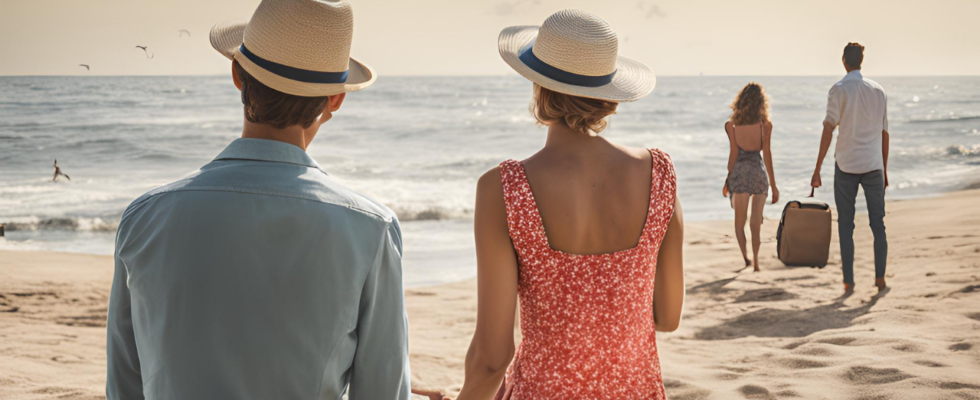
column 845, row 194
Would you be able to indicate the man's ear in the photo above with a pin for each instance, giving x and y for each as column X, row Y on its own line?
column 335, row 101
column 234, row 76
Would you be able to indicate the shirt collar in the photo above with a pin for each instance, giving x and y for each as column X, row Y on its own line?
column 266, row 150
column 855, row 74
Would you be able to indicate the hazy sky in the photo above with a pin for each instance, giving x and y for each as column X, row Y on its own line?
column 458, row 37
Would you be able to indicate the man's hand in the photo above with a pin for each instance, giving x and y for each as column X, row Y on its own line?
column 815, row 182
column 886, row 178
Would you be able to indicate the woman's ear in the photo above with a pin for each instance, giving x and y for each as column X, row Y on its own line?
column 234, row 75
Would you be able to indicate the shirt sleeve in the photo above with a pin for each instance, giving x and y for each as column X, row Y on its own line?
column 124, row 379
column 884, row 122
column 833, row 106
column 381, row 368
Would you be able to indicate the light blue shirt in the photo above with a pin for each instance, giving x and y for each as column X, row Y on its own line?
column 257, row 277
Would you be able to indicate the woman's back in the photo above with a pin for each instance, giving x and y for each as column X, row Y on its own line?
column 749, row 137
column 586, row 312
column 593, row 198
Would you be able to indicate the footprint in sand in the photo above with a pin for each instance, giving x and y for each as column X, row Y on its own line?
column 796, row 344
column 802, row 363
column 930, row 364
column 957, row 386
column 679, row 390
column 974, row 316
column 969, row 289
column 774, row 294
column 817, row 351
column 838, row 341
column 728, row 376
column 755, row 392
column 908, row 348
column 862, row 375
column 961, row 347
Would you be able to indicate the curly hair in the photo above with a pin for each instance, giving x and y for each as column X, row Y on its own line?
column 751, row 106
column 579, row 113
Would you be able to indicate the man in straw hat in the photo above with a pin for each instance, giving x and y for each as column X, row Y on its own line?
column 258, row 276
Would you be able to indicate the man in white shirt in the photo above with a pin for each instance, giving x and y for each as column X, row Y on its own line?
column 858, row 106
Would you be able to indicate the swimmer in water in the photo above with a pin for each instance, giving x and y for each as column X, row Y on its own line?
column 57, row 172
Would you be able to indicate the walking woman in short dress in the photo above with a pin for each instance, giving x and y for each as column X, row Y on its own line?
column 587, row 233
column 749, row 176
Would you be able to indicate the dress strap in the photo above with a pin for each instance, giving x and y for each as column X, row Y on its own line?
column 523, row 219
column 663, row 190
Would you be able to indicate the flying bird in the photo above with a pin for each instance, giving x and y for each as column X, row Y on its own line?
column 181, row 33
column 148, row 54
column 86, row 67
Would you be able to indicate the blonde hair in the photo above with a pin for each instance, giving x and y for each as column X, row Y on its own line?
column 579, row 113
column 751, row 106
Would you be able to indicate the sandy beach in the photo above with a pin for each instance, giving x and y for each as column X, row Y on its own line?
column 781, row 333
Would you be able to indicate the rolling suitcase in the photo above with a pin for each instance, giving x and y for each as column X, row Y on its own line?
column 803, row 237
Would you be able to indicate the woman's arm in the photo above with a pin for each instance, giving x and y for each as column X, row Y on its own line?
column 732, row 154
column 767, row 153
column 668, row 292
column 492, row 347
column 733, row 148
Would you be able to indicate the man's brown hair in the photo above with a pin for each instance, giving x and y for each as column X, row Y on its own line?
column 854, row 55
column 265, row 105
column 579, row 113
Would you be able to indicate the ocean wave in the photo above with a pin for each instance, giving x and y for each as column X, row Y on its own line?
column 947, row 119
column 406, row 214
column 960, row 150
column 84, row 224
column 61, row 224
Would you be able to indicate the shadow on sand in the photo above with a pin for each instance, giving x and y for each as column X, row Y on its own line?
column 770, row 322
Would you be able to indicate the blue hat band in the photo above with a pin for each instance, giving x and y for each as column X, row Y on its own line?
column 543, row 68
column 296, row 74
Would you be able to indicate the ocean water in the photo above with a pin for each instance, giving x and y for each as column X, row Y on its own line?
column 419, row 144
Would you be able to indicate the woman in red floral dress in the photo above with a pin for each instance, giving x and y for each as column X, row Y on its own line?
column 587, row 233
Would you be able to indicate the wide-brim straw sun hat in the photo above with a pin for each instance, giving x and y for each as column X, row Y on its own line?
column 298, row 47
column 576, row 53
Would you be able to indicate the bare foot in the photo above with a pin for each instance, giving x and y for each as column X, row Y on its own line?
column 755, row 269
column 880, row 283
column 747, row 262
column 848, row 288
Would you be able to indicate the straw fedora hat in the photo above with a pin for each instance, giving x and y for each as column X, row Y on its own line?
column 576, row 53
column 299, row 47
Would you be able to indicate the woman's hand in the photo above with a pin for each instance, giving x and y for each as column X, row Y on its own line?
column 431, row 394
column 724, row 189
column 775, row 195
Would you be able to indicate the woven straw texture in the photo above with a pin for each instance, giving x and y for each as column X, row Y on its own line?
column 581, row 43
column 313, row 35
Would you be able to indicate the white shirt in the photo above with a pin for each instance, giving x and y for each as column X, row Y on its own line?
column 858, row 107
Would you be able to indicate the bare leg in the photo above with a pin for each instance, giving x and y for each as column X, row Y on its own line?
column 741, row 205
column 755, row 225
